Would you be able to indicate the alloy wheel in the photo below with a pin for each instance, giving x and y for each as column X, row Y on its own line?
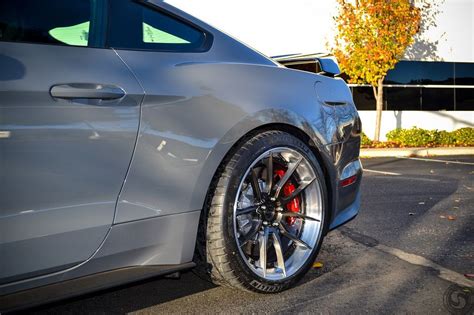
column 278, row 213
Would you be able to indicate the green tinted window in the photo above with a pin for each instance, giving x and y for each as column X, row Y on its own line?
column 77, row 35
column 156, row 36
column 136, row 26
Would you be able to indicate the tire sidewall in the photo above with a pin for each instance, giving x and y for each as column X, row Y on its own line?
column 248, row 153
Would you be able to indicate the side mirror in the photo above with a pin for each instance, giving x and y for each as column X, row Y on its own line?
column 329, row 66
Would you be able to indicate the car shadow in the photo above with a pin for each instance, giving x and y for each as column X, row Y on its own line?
column 129, row 298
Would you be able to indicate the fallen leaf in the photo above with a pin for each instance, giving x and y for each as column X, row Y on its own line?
column 451, row 218
column 318, row 265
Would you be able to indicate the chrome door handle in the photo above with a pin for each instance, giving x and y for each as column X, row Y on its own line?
column 87, row 91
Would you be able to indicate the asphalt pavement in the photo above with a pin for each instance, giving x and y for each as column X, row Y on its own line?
column 425, row 207
column 412, row 241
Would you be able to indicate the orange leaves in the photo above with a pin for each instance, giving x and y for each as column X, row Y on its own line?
column 318, row 265
column 372, row 35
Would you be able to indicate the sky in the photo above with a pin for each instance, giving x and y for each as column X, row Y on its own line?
column 276, row 27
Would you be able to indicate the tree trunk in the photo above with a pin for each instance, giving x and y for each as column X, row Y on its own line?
column 378, row 94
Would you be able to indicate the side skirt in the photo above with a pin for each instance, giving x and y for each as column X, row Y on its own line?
column 87, row 284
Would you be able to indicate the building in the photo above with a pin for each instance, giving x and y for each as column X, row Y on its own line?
column 432, row 88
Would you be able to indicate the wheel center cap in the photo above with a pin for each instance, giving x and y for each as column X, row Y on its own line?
column 269, row 215
column 268, row 211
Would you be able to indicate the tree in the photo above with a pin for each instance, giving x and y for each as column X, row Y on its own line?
column 371, row 37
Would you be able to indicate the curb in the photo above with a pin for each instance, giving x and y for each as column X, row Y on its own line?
column 394, row 152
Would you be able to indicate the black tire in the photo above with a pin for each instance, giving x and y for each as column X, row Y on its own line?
column 227, row 266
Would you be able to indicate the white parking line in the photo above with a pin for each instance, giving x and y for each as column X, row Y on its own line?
column 381, row 172
column 434, row 160
column 444, row 273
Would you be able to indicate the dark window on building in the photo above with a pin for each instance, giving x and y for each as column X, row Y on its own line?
column 464, row 73
column 464, row 99
column 363, row 98
column 56, row 22
column 136, row 26
column 421, row 72
column 402, row 98
column 418, row 98
column 437, row 99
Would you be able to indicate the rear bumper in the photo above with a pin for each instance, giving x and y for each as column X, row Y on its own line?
column 346, row 181
column 347, row 214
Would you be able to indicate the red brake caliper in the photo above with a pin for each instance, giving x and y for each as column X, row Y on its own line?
column 288, row 189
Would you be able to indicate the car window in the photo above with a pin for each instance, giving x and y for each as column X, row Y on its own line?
column 136, row 26
column 157, row 36
column 47, row 21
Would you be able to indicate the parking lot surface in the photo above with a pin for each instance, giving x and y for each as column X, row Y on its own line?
column 413, row 239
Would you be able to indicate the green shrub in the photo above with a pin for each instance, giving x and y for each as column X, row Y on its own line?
column 464, row 136
column 365, row 141
column 394, row 135
column 446, row 138
column 414, row 137
column 417, row 137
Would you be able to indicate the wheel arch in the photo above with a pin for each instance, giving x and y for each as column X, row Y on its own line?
column 324, row 162
column 323, row 159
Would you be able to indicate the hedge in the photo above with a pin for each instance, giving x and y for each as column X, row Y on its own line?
column 417, row 137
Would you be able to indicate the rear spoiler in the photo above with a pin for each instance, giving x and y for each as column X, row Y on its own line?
column 321, row 63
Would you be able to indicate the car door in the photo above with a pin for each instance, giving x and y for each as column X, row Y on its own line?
column 69, row 116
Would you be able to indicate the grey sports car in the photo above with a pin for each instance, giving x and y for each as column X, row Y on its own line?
column 136, row 141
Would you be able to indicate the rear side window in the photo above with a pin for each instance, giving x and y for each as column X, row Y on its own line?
column 137, row 26
column 57, row 22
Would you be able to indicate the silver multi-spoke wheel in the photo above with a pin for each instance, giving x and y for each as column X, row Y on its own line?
column 266, row 214
column 278, row 213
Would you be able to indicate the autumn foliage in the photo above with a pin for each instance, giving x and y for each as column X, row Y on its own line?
column 372, row 36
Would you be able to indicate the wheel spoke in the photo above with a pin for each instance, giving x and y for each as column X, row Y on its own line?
column 293, row 238
column 279, row 252
column 291, row 169
column 263, row 230
column 257, row 194
column 263, row 251
column 246, row 210
column 299, row 215
column 251, row 235
column 303, row 185
column 269, row 165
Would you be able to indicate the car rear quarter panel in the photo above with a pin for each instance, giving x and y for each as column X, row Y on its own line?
column 208, row 106
column 198, row 105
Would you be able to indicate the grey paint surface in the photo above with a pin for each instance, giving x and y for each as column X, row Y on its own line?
column 73, row 158
column 196, row 107
column 64, row 162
